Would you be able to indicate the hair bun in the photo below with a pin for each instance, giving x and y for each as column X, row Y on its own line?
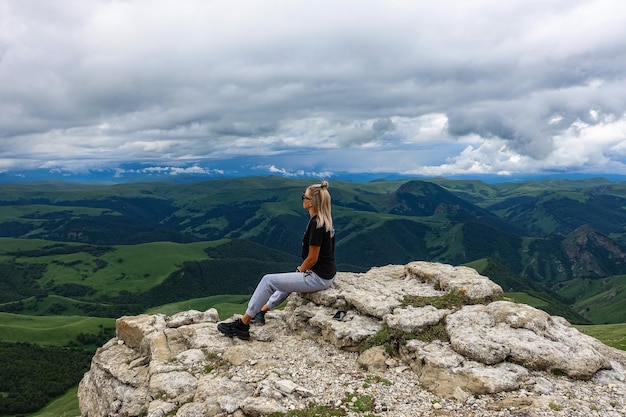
column 324, row 184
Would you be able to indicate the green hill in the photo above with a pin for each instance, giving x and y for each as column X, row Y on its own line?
column 54, row 330
column 602, row 301
column 102, row 250
column 610, row 334
column 44, row 278
column 528, row 292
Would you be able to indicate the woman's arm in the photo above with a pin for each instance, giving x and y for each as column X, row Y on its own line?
column 311, row 259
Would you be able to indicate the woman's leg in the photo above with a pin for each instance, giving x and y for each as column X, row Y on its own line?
column 275, row 288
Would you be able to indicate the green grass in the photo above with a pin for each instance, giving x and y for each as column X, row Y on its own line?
column 613, row 335
column 48, row 330
column 36, row 215
column 64, row 406
column 452, row 300
column 602, row 301
column 524, row 298
column 52, row 305
column 8, row 245
column 132, row 268
column 136, row 268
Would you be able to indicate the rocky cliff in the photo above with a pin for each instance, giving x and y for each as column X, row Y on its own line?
column 592, row 253
column 423, row 339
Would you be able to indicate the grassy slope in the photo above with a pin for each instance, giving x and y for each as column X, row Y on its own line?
column 600, row 300
column 610, row 334
column 48, row 330
column 524, row 291
column 130, row 268
column 524, row 298
column 64, row 406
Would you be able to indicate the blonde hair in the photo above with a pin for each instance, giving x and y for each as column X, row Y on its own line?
column 320, row 197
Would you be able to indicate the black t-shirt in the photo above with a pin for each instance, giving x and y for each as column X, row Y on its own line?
column 325, row 266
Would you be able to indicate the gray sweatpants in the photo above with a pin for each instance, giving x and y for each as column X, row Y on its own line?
column 273, row 289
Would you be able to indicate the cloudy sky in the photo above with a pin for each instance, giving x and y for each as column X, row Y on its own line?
column 314, row 87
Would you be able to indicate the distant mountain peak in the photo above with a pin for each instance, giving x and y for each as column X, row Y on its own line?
column 593, row 252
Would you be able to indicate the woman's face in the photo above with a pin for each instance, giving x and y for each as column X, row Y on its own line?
column 307, row 201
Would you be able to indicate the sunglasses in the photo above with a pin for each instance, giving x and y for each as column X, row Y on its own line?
column 304, row 197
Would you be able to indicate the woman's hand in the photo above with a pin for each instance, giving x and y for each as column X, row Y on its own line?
column 311, row 259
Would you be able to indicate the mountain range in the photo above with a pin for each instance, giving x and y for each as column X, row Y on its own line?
column 560, row 241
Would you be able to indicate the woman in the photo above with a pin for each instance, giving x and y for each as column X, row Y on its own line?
column 316, row 272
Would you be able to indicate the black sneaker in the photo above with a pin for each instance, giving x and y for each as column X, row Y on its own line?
column 235, row 328
column 259, row 318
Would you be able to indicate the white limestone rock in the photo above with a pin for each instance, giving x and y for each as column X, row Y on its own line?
column 505, row 331
column 458, row 278
column 132, row 329
column 181, row 364
column 192, row 316
column 172, row 385
column 415, row 319
column 259, row 406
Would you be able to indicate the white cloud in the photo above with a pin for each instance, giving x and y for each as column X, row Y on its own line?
column 298, row 173
column 444, row 87
column 171, row 170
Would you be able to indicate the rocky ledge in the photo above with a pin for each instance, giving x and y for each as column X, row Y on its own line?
column 424, row 339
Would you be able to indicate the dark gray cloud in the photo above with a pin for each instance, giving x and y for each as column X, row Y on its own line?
column 482, row 86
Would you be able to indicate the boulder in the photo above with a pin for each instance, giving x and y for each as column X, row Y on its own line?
column 383, row 348
column 517, row 333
